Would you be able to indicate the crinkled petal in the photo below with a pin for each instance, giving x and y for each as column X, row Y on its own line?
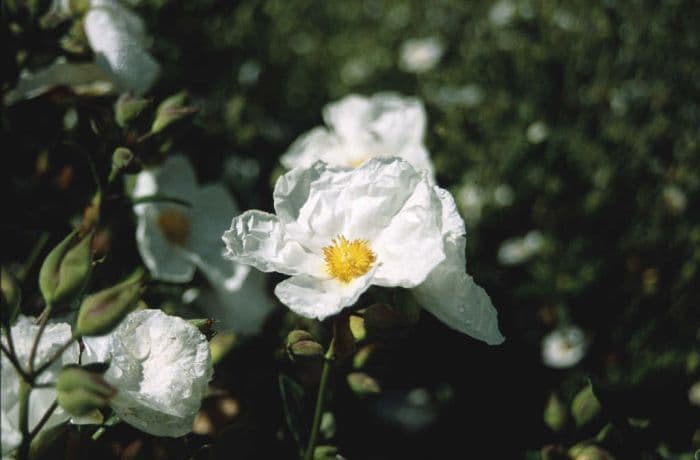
column 165, row 261
column 419, row 157
column 54, row 337
column 242, row 310
column 162, row 366
column 320, row 298
column 259, row 239
column 411, row 246
column 116, row 37
column 398, row 121
column 322, row 202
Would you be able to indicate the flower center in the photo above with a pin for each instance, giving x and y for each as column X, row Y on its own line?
column 348, row 259
column 175, row 226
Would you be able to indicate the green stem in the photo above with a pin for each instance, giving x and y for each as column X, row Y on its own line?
column 13, row 360
column 24, row 391
column 44, row 418
column 42, row 325
column 320, row 397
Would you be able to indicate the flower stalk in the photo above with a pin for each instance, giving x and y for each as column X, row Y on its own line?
column 328, row 359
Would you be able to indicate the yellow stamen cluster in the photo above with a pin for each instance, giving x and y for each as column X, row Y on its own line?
column 348, row 259
column 175, row 226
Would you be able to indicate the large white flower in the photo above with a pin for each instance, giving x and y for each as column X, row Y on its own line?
column 360, row 128
column 338, row 231
column 161, row 367
column 23, row 333
column 117, row 36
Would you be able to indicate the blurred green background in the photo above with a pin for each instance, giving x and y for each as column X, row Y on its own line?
column 579, row 120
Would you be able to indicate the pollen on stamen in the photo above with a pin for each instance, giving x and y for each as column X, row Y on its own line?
column 348, row 259
column 174, row 225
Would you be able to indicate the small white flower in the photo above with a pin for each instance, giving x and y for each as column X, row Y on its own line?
column 118, row 38
column 675, row 199
column 360, row 128
column 340, row 230
column 175, row 239
column 160, row 365
column 518, row 250
column 23, row 333
column 502, row 13
column 419, row 55
column 537, row 132
column 563, row 347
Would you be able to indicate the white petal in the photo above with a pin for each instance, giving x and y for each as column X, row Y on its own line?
column 116, row 37
column 452, row 295
column 311, row 147
column 411, row 246
column 53, row 338
column 161, row 365
column 418, row 156
column 319, row 203
column 259, row 239
column 174, row 179
column 349, row 117
column 564, row 347
column 320, row 298
column 242, row 310
column 165, row 261
column 398, row 121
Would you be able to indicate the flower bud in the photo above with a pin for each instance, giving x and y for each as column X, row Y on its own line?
column 585, row 406
column 326, row 453
column 124, row 160
column 79, row 7
column 104, row 310
column 589, row 452
column 66, row 269
column 11, row 297
column 362, row 384
column 300, row 344
column 555, row 413
column 129, row 108
column 80, row 392
column 172, row 110
column 204, row 325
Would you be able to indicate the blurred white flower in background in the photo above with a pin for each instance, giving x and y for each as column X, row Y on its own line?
column 419, row 55
column 537, row 132
column 471, row 201
column 675, row 199
column 518, row 250
column 161, row 367
column 40, row 399
column 175, row 238
column 360, row 128
column 502, row 13
column 118, row 40
column 564, row 347
column 338, row 231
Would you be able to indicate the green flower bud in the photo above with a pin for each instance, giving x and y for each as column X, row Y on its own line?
column 104, row 310
column 300, row 344
column 80, row 392
column 79, row 7
column 129, row 108
column 172, row 110
column 362, row 384
column 363, row 355
column 11, row 297
column 555, row 413
column 325, row 453
column 589, row 452
column 66, row 269
column 585, row 406
column 123, row 160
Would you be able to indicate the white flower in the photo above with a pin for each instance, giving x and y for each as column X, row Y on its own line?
column 518, row 250
column 563, row 347
column 161, row 367
column 339, row 230
column 360, row 128
column 118, row 38
column 23, row 333
column 419, row 55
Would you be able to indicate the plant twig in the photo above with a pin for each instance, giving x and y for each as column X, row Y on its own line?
column 55, row 356
column 42, row 325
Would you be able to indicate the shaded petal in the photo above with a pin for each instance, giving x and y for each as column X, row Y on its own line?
column 165, row 261
column 242, row 310
column 259, row 239
column 310, row 147
column 398, row 121
column 319, row 298
column 349, row 117
column 175, row 178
